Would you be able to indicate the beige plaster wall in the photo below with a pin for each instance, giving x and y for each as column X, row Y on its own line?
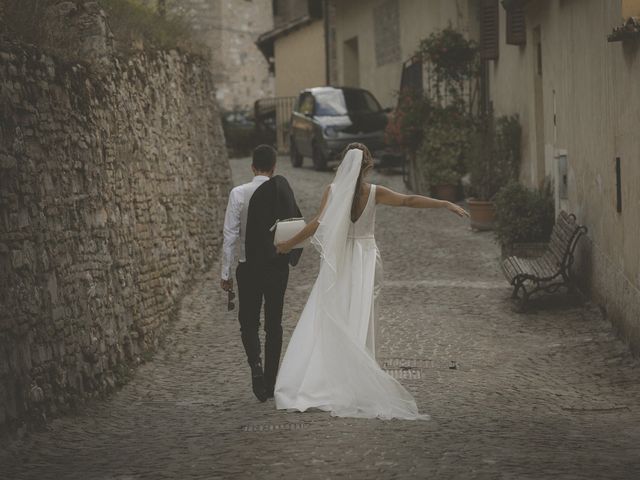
column 300, row 60
column 630, row 8
column 511, row 87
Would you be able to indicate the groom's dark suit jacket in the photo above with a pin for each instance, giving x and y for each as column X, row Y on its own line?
column 273, row 200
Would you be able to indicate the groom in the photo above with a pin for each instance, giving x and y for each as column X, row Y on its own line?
column 262, row 274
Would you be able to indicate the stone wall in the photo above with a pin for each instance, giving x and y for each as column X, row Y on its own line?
column 112, row 194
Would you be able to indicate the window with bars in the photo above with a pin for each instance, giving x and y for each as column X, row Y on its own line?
column 516, row 28
column 489, row 30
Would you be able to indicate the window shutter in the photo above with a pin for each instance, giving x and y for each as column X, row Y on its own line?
column 489, row 30
column 516, row 26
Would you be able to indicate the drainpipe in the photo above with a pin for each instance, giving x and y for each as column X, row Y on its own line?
column 327, row 25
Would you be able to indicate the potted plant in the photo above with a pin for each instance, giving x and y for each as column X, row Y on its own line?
column 524, row 219
column 494, row 161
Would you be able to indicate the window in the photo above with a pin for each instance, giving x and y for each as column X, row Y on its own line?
column 345, row 102
column 351, row 63
column 386, row 32
column 516, row 28
column 489, row 30
column 330, row 103
column 361, row 101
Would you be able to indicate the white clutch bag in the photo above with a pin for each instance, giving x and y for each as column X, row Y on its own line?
column 287, row 229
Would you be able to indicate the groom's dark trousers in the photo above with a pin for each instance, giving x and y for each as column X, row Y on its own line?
column 264, row 275
column 255, row 285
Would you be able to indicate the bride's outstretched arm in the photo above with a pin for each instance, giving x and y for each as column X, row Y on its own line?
column 386, row 196
column 306, row 232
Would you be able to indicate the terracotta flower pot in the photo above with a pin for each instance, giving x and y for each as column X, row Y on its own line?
column 483, row 214
column 445, row 192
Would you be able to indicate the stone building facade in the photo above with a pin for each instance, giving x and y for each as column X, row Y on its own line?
column 229, row 29
column 113, row 182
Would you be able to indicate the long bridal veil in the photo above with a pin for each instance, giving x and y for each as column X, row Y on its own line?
column 327, row 364
column 331, row 237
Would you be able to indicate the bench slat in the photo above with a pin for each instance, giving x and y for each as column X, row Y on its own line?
column 540, row 268
column 557, row 249
column 567, row 226
column 507, row 270
column 551, row 263
column 563, row 233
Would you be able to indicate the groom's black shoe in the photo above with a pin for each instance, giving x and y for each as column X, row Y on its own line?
column 258, row 383
column 270, row 390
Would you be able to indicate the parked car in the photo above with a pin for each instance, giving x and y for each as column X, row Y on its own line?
column 326, row 119
column 243, row 132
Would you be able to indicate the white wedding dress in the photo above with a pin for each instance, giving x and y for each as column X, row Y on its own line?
column 330, row 361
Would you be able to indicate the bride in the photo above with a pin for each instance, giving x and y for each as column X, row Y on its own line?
column 330, row 361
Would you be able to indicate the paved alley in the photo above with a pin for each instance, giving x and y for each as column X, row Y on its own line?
column 550, row 394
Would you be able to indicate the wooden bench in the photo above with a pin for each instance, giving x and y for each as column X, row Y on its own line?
column 552, row 269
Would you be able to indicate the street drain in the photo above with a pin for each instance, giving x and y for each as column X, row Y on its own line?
column 404, row 363
column 404, row 368
column 274, row 427
column 404, row 373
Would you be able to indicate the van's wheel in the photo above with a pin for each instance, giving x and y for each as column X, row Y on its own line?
column 296, row 157
column 319, row 158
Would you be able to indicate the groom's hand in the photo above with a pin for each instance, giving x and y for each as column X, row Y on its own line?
column 283, row 248
column 227, row 285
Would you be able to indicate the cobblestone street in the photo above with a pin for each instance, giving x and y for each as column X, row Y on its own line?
column 551, row 394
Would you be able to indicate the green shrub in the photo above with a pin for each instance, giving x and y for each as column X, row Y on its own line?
column 494, row 155
column 132, row 21
column 453, row 57
column 523, row 215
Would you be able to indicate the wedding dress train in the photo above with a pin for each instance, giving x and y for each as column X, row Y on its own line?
column 330, row 360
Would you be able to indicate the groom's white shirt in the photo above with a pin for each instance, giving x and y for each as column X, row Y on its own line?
column 235, row 223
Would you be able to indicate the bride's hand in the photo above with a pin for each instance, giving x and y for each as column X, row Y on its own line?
column 283, row 247
column 461, row 212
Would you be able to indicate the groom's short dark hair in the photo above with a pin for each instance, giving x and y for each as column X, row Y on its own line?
column 264, row 158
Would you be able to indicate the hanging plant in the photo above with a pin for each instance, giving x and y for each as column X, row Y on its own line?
column 453, row 57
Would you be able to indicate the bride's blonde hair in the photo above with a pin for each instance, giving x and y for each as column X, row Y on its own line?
column 367, row 163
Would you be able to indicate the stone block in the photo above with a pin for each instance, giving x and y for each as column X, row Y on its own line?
column 7, row 162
